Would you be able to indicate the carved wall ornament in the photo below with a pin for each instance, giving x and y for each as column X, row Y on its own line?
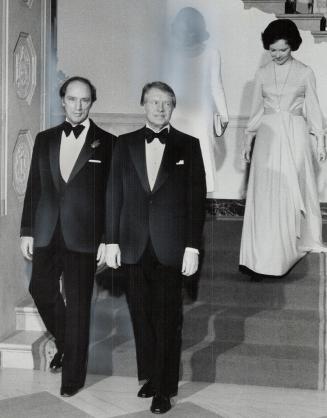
column 22, row 156
column 28, row 3
column 25, row 67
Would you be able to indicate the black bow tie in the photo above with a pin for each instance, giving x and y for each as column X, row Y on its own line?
column 67, row 127
column 162, row 135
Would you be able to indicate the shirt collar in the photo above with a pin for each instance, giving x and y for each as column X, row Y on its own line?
column 164, row 127
column 85, row 123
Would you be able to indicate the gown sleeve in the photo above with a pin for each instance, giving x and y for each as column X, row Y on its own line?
column 217, row 88
column 257, row 109
column 313, row 112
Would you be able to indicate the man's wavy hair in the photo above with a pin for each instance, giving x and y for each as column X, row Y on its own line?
column 160, row 86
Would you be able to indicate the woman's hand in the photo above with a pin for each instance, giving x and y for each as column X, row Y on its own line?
column 247, row 147
column 246, row 153
column 321, row 149
column 321, row 153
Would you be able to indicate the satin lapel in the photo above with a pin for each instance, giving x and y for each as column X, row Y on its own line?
column 137, row 151
column 86, row 151
column 167, row 162
column 54, row 151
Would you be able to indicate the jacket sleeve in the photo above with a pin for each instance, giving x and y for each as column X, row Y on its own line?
column 32, row 194
column 114, row 195
column 111, row 142
column 196, row 196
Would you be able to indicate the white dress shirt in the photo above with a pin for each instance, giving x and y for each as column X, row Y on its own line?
column 70, row 148
column 153, row 156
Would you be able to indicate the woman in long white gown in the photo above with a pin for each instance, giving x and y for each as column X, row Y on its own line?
column 193, row 69
column 282, row 220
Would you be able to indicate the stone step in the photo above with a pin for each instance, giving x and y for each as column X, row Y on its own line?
column 227, row 323
column 320, row 36
column 249, row 364
column 276, row 6
column 27, row 316
column 227, row 259
column 304, row 21
column 268, row 6
column 265, row 295
column 223, row 323
column 27, row 350
column 251, row 326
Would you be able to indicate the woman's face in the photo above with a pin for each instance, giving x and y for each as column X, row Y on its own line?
column 280, row 51
column 186, row 33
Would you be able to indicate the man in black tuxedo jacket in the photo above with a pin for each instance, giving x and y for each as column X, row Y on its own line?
column 155, row 212
column 62, row 226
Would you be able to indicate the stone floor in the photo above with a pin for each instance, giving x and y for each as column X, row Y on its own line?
column 34, row 394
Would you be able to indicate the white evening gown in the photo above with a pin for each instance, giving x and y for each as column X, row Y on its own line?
column 194, row 73
column 282, row 220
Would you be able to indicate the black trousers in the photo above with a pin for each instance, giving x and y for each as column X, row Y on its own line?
column 154, row 297
column 67, row 321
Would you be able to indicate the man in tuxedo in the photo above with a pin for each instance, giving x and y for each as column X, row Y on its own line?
column 155, row 212
column 62, row 226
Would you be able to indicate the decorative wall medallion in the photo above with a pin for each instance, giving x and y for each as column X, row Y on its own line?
column 25, row 67
column 22, row 156
column 28, row 3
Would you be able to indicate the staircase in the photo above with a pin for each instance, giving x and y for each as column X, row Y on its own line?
column 235, row 331
column 303, row 19
column 29, row 347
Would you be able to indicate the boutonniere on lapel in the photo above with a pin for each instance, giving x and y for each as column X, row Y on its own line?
column 95, row 143
column 180, row 162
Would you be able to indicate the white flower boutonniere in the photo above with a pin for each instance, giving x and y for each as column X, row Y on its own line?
column 95, row 143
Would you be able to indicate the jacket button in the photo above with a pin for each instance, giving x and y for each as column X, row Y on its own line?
column 150, row 201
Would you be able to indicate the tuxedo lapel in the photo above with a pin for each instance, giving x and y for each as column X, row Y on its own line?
column 86, row 151
column 54, row 151
column 137, row 152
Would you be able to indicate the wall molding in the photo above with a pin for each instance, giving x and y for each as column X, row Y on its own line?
column 45, row 51
column 4, row 108
column 118, row 118
column 126, row 119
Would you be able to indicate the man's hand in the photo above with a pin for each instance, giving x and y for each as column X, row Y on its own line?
column 113, row 256
column 26, row 245
column 101, row 255
column 190, row 263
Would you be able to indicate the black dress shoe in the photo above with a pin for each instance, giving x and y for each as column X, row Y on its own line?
column 146, row 390
column 160, row 404
column 56, row 362
column 69, row 390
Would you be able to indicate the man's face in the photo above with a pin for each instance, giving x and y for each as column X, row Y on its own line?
column 158, row 107
column 77, row 102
